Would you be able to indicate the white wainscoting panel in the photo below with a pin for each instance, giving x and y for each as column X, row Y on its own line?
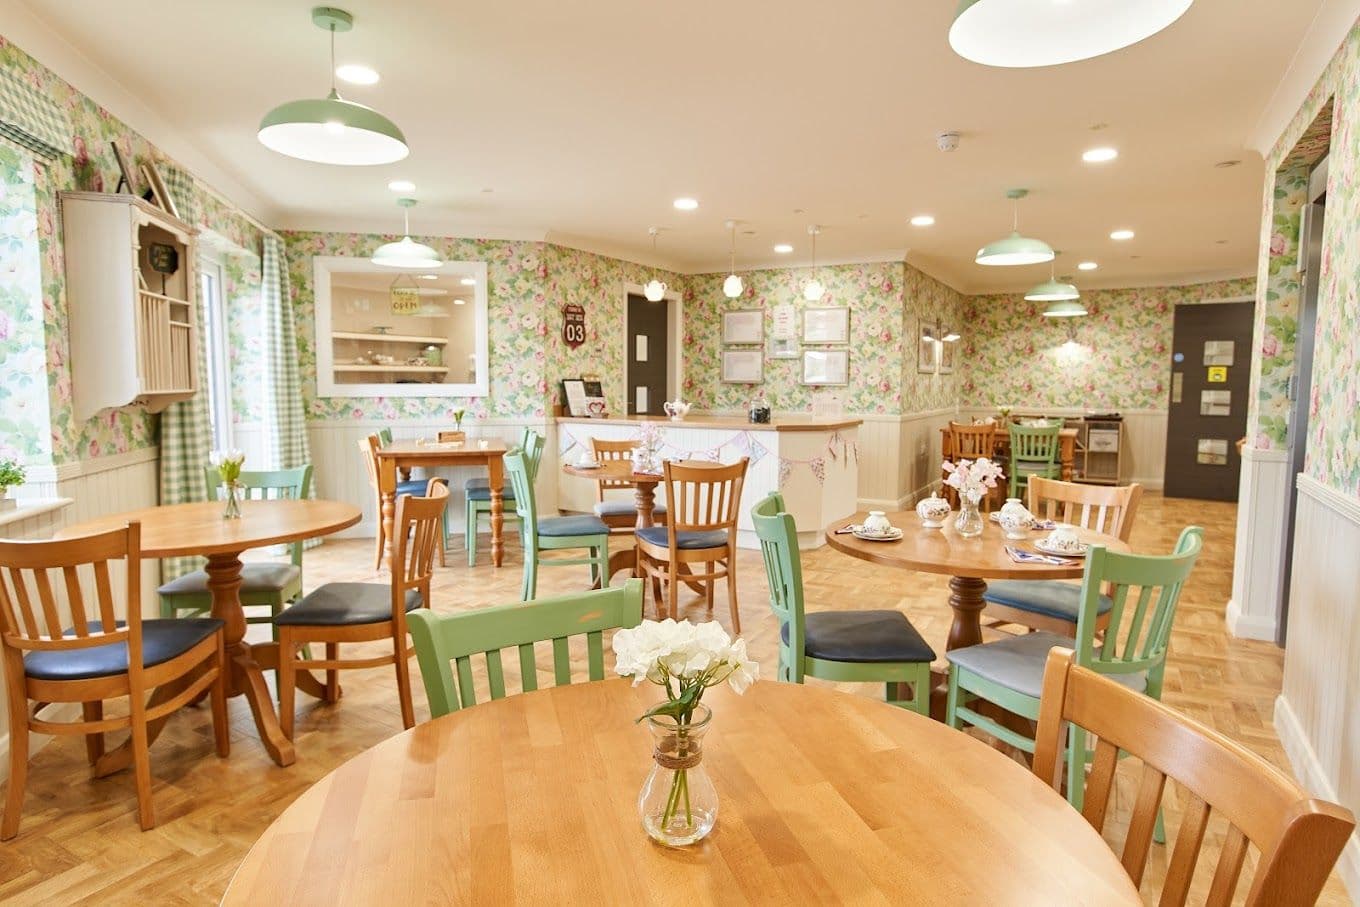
column 1254, row 610
column 1316, row 715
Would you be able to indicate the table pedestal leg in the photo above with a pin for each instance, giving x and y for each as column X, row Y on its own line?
column 644, row 502
column 965, row 600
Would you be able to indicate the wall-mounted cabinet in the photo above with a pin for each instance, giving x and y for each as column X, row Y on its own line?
column 130, row 284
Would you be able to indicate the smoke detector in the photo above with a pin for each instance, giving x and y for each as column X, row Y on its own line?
column 947, row 141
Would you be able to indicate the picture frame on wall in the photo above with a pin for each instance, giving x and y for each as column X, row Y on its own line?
column 826, row 325
column 947, row 354
column 743, row 367
column 743, row 326
column 826, row 367
column 574, row 397
column 926, row 349
column 124, row 171
column 782, row 348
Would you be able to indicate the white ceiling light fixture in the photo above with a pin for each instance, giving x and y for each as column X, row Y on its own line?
column 402, row 186
column 1121, row 235
column 922, row 220
column 356, row 74
column 1014, row 249
column 468, row 281
column 783, row 248
column 950, row 335
column 1099, row 155
column 655, row 290
column 686, row 204
column 732, row 286
column 1087, row 266
column 1027, row 33
column 813, row 289
column 331, row 130
column 1053, row 289
column 407, row 253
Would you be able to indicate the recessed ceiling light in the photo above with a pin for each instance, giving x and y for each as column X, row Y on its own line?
column 783, row 248
column 429, row 276
column 1121, row 235
column 402, row 186
column 686, row 204
column 460, row 302
column 922, row 220
column 488, row 191
column 1099, row 155
column 469, row 281
column 356, row 74
column 1087, row 266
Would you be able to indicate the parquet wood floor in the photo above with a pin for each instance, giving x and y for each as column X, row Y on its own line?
column 79, row 841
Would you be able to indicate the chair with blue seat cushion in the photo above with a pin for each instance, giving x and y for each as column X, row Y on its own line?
column 1053, row 605
column 1143, row 590
column 858, row 646
column 368, row 455
column 64, row 642
column 553, row 533
column 1034, row 452
column 270, row 585
column 477, row 494
column 704, row 500
column 619, row 513
column 337, row 613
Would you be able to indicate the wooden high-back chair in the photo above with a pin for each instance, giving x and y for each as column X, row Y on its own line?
column 970, row 442
column 63, row 640
column 1299, row 837
column 704, row 500
column 368, row 455
column 619, row 514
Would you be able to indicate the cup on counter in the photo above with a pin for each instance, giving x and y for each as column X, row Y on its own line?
column 483, row 444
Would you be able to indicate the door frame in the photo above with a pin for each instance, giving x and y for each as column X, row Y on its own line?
column 675, row 346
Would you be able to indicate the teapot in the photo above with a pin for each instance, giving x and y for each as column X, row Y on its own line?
column 677, row 409
column 1015, row 519
column 932, row 511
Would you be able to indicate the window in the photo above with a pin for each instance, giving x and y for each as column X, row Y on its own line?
column 215, row 349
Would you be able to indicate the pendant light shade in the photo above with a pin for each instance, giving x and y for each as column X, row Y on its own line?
column 732, row 286
column 1015, row 249
column 1065, row 308
column 407, row 253
column 813, row 289
column 331, row 130
column 1052, row 290
column 654, row 290
column 1026, row 33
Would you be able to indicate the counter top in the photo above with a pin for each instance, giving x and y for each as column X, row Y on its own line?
column 778, row 423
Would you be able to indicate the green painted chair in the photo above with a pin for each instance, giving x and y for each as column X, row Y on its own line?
column 870, row 646
column 1010, row 672
column 477, row 493
column 443, row 641
column 553, row 533
column 262, row 583
column 1034, row 452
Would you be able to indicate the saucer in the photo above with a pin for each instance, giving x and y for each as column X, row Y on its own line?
column 892, row 535
column 591, row 464
column 1046, row 548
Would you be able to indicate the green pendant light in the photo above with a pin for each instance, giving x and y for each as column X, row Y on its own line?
column 406, row 252
column 1024, row 33
column 1015, row 249
column 1053, row 289
column 331, row 130
column 1065, row 308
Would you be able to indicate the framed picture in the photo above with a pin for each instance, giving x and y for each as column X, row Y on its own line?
column 829, row 325
column 782, row 348
column 925, row 349
column 743, row 367
column 947, row 357
column 743, row 326
column 823, row 367
column 157, row 185
column 124, row 171
column 574, row 397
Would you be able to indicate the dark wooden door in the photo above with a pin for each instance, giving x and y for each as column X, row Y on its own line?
column 1203, row 425
column 648, row 345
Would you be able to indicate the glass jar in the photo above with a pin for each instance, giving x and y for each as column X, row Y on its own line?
column 678, row 803
column 233, row 498
column 968, row 524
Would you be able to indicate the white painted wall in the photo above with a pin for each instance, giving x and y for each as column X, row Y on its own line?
column 1254, row 609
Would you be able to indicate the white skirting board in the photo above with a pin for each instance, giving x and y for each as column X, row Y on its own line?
column 1316, row 715
column 1254, row 610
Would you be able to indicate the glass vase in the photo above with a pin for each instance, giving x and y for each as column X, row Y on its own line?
column 678, row 802
column 968, row 524
column 232, row 511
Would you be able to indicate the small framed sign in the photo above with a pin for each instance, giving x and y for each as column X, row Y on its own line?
column 743, row 366
column 574, row 397
column 573, row 325
column 826, row 325
column 745, row 326
column 826, row 367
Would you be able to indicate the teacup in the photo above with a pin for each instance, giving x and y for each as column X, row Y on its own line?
column 876, row 523
column 483, row 444
column 1064, row 538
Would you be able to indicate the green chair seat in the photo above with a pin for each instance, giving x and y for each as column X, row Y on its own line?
column 1051, row 598
column 1017, row 662
column 687, row 541
column 254, row 578
column 861, row 637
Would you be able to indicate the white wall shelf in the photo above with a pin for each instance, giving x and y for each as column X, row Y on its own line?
column 414, row 369
column 388, row 338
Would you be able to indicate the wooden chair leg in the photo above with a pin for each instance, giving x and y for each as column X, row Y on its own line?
column 221, row 727
column 732, row 590
column 141, row 763
column 672, row 591
column 708, row 596
column 408, row 715
column 287, row 681
column 332, row 674
column 94, row 743
column 18, row 757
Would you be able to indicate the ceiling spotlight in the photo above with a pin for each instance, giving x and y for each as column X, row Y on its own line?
column 429, row 276
column 356, row 74
column 686, row 204
column 402, row 186
column 783, row 248
column 469, row 281
column 1121, row 235
column 1087, row 266
column 922, row 220
column 1099, row 155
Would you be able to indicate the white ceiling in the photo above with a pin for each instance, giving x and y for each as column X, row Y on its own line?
column 587, row 119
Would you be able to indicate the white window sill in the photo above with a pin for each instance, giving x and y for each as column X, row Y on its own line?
column 27, row 509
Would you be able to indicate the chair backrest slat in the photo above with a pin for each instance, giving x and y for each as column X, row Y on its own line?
column 75, row 599
column 706, row 496
column 495, row 674
column 784, row 574
column 1035, row 443
column 103, row 590
column 416, row 532
column 441, row 639
column 1116, row 506
column 1299, row 838
column 611, row 450
column 595, row 653
column 972, row 441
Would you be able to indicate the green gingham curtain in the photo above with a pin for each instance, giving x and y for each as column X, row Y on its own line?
column 284, row 417
column 32, row 119
column 180, row 185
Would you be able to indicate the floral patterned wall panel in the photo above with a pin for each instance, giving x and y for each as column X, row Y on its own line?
column 24, row 424
column 1013, row 356
column 246, row 327
column 926, row 300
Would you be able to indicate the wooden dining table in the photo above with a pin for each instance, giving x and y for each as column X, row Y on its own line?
column 402, row 456
column 186, row 530
column 824, row 797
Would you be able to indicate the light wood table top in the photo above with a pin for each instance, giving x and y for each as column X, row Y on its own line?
column 824, row 797
column 432, row 453
column 945, row 551
column 613, row 471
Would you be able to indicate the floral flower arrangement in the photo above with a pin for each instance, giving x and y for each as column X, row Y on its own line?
column 11, row 473
column 647, row 455
column 972, row 478
column 228, row 464
column 458, row 415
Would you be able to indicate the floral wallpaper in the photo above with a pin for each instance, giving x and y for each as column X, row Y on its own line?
column 24, row 423
column 247, row 364
column 927, row 300
column 1016, row 357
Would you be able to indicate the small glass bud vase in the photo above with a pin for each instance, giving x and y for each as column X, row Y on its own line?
column 678, row 803
column 968, row 524
column 232, row 511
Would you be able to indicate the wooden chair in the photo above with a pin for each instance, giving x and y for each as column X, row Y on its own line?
column 270, row 585
column 442, row 640
column 1053, row 604
column 368, row 454
column 1299, row 838
column 1009, row 672
column 619, row 514
column 553, row 533
column 1034, row 452
column 704, row 499
column 857, row 646
column 477, row 494
column 969, row 442
column 337, row 613
column 63, row 642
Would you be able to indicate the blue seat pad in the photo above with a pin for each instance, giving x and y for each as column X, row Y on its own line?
column 563, row 526
column 622, row 508
column 862, row 637
column 345, row 604
column 162, row 640
column 690, row 541
column 1017, row 662
column 1049, row 597
column 415, row 487
column 484, row 494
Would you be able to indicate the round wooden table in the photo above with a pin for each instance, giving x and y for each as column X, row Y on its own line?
column 184, row 530
column 824, row 796
column 644, row 491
